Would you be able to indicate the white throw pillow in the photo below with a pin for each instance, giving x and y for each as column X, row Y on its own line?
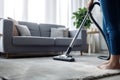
column 23, row 30
column 59, row 32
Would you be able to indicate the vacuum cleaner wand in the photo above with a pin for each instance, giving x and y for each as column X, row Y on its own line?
column 65, row 56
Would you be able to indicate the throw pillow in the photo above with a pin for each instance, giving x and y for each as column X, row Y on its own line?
column 65, row 32
column 59, row 32
column 23, row 30
column 15, row 32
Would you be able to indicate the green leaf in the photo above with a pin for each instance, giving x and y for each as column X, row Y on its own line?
column 78, row 17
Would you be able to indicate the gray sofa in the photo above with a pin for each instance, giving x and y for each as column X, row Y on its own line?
column 39, row 41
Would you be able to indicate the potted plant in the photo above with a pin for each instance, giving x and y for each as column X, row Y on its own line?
column 78, row 17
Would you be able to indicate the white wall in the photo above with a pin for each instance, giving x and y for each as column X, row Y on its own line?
column 1, row 8
column 50, row 11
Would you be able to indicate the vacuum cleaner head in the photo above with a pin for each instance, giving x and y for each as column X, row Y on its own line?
column 64, row 58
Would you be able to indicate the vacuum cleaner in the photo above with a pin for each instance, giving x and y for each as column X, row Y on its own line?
column 65, row 56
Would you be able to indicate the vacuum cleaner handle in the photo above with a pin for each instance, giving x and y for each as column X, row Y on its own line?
column 91, row 8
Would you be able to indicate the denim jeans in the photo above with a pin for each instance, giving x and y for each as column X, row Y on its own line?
column 111, row 24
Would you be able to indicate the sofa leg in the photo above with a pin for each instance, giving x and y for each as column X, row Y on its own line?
column 81, row 53
column 5, row 55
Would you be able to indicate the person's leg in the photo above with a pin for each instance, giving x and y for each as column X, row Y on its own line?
column 106, row 37
column 113, row 63
column 114, row 43
column 113, row 31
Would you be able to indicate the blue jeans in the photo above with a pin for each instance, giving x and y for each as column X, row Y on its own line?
column 111, row 24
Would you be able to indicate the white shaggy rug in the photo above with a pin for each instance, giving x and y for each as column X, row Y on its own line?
column 45, row 68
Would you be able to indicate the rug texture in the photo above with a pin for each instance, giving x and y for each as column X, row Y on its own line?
column 46, row 68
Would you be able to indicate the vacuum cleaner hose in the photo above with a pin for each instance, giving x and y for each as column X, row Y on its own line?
column 97, row 25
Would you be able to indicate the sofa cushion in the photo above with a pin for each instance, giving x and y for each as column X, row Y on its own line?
column 45, row 29
column 33, row 41
column 33, row 27
column 59, row 32
column 66, row 42
column 23, row 30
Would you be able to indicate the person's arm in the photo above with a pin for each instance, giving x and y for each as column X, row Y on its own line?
column 90, row 3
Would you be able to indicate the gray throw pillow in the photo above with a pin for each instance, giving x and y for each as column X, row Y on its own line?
column 59, row 32
column 23, row 30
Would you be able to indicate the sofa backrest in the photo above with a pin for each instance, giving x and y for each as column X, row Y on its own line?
column 33, row 27
column 45, row 29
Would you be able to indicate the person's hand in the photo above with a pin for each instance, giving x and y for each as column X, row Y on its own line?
column 89, row 4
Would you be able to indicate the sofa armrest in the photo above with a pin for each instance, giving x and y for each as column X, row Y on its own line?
column 1, row 36
column 6, row 29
